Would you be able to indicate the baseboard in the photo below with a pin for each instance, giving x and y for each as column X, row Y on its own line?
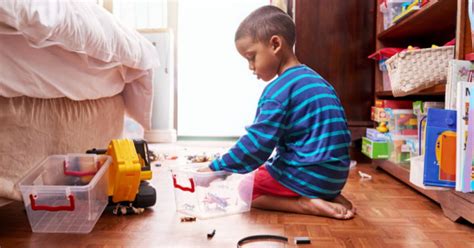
column 161, row 136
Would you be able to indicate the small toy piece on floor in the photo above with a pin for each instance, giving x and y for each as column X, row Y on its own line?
column 164, row 156
column 364, row 175
column 188, row 219
column 152, row 155
column 202, row 158
column 211, row 234
column 302, row 240
column 120, row 210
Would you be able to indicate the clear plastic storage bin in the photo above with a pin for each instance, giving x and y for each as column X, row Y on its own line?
column 66, row 193
column 211, row 194
column 391, row 9
column 402, row 122
column 399, row 148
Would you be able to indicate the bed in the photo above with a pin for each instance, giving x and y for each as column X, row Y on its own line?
column 69, row 71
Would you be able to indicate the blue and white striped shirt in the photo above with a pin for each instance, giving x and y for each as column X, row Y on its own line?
column 300, row 115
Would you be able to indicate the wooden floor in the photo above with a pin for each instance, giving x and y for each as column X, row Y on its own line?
column 390, row 214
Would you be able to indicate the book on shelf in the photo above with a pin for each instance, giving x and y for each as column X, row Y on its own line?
column 458, row 71
column 465, row 178
column 462, row 111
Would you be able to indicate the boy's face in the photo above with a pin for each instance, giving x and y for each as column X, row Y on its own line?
column 262, row 57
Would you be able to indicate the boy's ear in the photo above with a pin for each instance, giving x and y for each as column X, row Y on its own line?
column 276, row 43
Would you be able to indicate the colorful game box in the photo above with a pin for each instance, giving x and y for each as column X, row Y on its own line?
column 440, row 155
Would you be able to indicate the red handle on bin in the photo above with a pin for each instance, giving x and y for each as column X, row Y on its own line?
column 176, row 185
column 52, row 208
column 77, row 173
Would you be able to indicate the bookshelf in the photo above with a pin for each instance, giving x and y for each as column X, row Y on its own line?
column 437, row 16
column 436, row 90
column 436, row 23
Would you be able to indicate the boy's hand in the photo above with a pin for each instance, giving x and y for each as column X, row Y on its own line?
column 206, row 180
column 204, row 169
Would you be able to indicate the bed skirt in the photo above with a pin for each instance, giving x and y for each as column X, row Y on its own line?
column 32, row 128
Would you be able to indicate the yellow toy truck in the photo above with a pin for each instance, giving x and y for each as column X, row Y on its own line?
column 129, row 173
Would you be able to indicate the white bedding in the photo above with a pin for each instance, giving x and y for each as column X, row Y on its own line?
column 74, row 49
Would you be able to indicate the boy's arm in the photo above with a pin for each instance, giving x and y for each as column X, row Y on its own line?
column 254, row 148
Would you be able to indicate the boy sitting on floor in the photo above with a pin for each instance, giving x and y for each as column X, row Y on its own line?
column 299, row 114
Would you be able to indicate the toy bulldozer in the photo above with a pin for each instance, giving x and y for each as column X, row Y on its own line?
column 128, row 173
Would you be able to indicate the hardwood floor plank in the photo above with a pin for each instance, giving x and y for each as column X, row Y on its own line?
column 390, row 214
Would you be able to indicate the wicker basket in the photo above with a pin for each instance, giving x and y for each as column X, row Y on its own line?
column 414, row 70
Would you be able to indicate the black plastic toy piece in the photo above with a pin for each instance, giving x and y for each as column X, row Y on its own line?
column 211, row 234
column 302, row 240
column 264, row 237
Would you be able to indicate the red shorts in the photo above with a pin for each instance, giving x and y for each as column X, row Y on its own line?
column 264, row 184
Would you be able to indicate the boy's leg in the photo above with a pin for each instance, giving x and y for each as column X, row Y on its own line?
column 270, row 194
column 304, row 205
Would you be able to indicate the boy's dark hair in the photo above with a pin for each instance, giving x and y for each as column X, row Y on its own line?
column 265, row 22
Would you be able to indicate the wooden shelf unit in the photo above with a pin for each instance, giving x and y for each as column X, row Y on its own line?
column 437, row 90
column 435, row 23
column 435, row 17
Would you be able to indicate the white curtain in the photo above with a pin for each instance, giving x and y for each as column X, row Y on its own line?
column 217, row 93
column 142, row 14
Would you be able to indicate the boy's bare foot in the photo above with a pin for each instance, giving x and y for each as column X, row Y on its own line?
column 346, row 203
column 325, row 208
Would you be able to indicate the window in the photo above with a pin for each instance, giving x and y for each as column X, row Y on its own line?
column 217, row 93
column 141, row 14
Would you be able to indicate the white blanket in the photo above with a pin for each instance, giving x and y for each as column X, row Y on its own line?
column 74, row 49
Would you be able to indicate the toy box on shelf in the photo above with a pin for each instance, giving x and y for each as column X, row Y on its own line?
column 374, row 135
column 407, row 10
column 211, row 194
column 391, row 9
column 399, row 148
column 378, row 114
column 394, row 104
column 374, row 149
column 66, row 193
column 382, row 109
column 402, row 122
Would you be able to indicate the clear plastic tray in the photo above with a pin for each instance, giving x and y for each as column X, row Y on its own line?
column 66, row 193
column 211, row 194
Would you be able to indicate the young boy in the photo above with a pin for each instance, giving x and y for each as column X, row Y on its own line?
column 301, row 116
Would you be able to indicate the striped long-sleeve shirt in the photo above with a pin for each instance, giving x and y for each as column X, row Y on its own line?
column 300, row 115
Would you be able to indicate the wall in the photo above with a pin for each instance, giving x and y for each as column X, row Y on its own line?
column 335, row 38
